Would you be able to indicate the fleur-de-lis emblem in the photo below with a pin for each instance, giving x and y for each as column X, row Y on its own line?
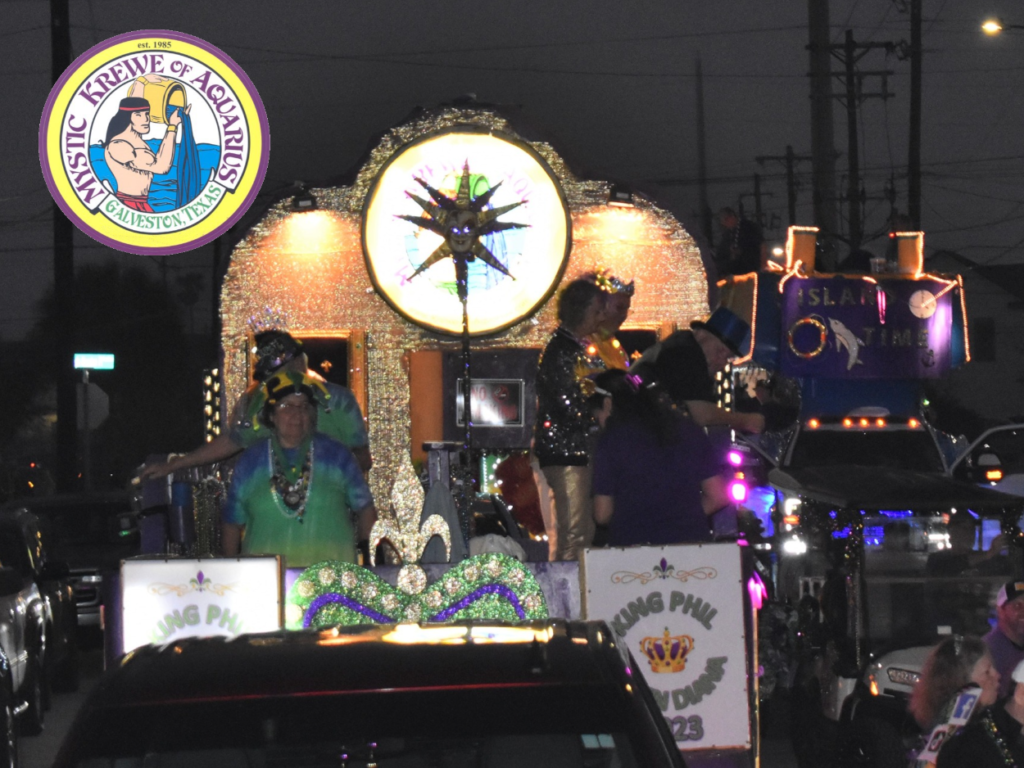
column 663, row 570
column 402, row 528
column 198, row 582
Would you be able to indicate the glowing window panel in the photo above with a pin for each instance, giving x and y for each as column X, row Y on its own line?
column 406, row 230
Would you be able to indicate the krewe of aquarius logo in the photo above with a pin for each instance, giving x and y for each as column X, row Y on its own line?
column 154, row 142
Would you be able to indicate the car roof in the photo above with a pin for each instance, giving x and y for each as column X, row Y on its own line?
column 368, row 658
column 16, row 517
column 872, row 488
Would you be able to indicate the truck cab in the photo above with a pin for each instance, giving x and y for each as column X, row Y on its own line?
column 861, row 500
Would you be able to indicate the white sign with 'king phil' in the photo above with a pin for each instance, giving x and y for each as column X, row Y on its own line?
column 164, row 600
column 679, row 611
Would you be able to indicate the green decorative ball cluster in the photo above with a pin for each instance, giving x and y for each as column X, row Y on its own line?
column 491, row 587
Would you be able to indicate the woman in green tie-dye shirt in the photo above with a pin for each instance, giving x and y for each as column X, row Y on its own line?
column 297, row 493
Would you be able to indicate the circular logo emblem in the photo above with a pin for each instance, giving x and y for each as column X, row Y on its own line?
column 478, row 204
column 154, row 142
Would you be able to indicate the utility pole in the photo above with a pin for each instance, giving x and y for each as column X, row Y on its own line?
column 849, row 53
column 790, row 159
column 852, row 151
column 758, row 212
column 63, row 280
column 914, row 154
column 823, row 152
column 702, row 161
column 215, row 297
column 758, row 197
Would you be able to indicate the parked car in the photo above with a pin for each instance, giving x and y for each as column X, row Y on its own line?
column 9, row 711
column 995, row 459
column 549, row 693
column 876, row 728
column 93, row 533
column 37, row 616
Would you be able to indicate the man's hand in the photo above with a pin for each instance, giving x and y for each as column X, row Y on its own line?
column 158, row 470
column 175, row 118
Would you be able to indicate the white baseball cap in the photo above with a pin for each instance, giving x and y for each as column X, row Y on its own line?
column 1018, row 673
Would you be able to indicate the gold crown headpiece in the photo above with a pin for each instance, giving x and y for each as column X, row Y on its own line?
column 270, row 319
column 607, row 282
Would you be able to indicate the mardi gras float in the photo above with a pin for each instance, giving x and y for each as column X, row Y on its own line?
column 367, row 275
column 458, row 231
column 456, row 226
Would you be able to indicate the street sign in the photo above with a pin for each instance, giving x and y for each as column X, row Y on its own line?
column 94, row 361
column 97, row 408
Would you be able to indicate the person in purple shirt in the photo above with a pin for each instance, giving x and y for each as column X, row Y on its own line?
column 1005, row 640
column 656, row 479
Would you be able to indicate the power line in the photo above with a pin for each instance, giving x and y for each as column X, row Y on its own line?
column 23, row 31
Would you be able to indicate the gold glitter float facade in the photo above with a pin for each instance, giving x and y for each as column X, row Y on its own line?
column 310, row 266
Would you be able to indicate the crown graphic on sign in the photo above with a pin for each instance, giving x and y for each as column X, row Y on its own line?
column 667, row 653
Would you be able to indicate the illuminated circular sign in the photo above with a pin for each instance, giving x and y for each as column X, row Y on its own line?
column 923, row 304
column 483, row 199
column 154, row 142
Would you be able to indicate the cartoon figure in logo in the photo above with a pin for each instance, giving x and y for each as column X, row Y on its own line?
column 134, row 162
column 131, row 161
column 845, row 338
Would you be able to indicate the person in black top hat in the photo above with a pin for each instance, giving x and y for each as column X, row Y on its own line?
column 684, row 366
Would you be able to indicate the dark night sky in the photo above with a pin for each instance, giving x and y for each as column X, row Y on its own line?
column 609, row 82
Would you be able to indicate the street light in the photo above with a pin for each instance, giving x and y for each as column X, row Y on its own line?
column 996, row 26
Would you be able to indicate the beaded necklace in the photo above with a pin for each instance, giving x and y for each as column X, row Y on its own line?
column 290, row 485
column 993, row 733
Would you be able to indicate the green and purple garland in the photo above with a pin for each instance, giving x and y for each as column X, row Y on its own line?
column 492, row 587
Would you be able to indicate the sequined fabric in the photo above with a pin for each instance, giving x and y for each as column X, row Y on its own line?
column 564, row 420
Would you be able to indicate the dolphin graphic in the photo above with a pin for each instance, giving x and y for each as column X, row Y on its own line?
column 845, row 338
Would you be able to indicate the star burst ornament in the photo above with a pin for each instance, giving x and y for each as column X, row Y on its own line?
column 403, row 531
column 461, row 221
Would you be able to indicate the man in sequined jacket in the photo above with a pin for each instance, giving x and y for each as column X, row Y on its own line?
column 564, row 419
